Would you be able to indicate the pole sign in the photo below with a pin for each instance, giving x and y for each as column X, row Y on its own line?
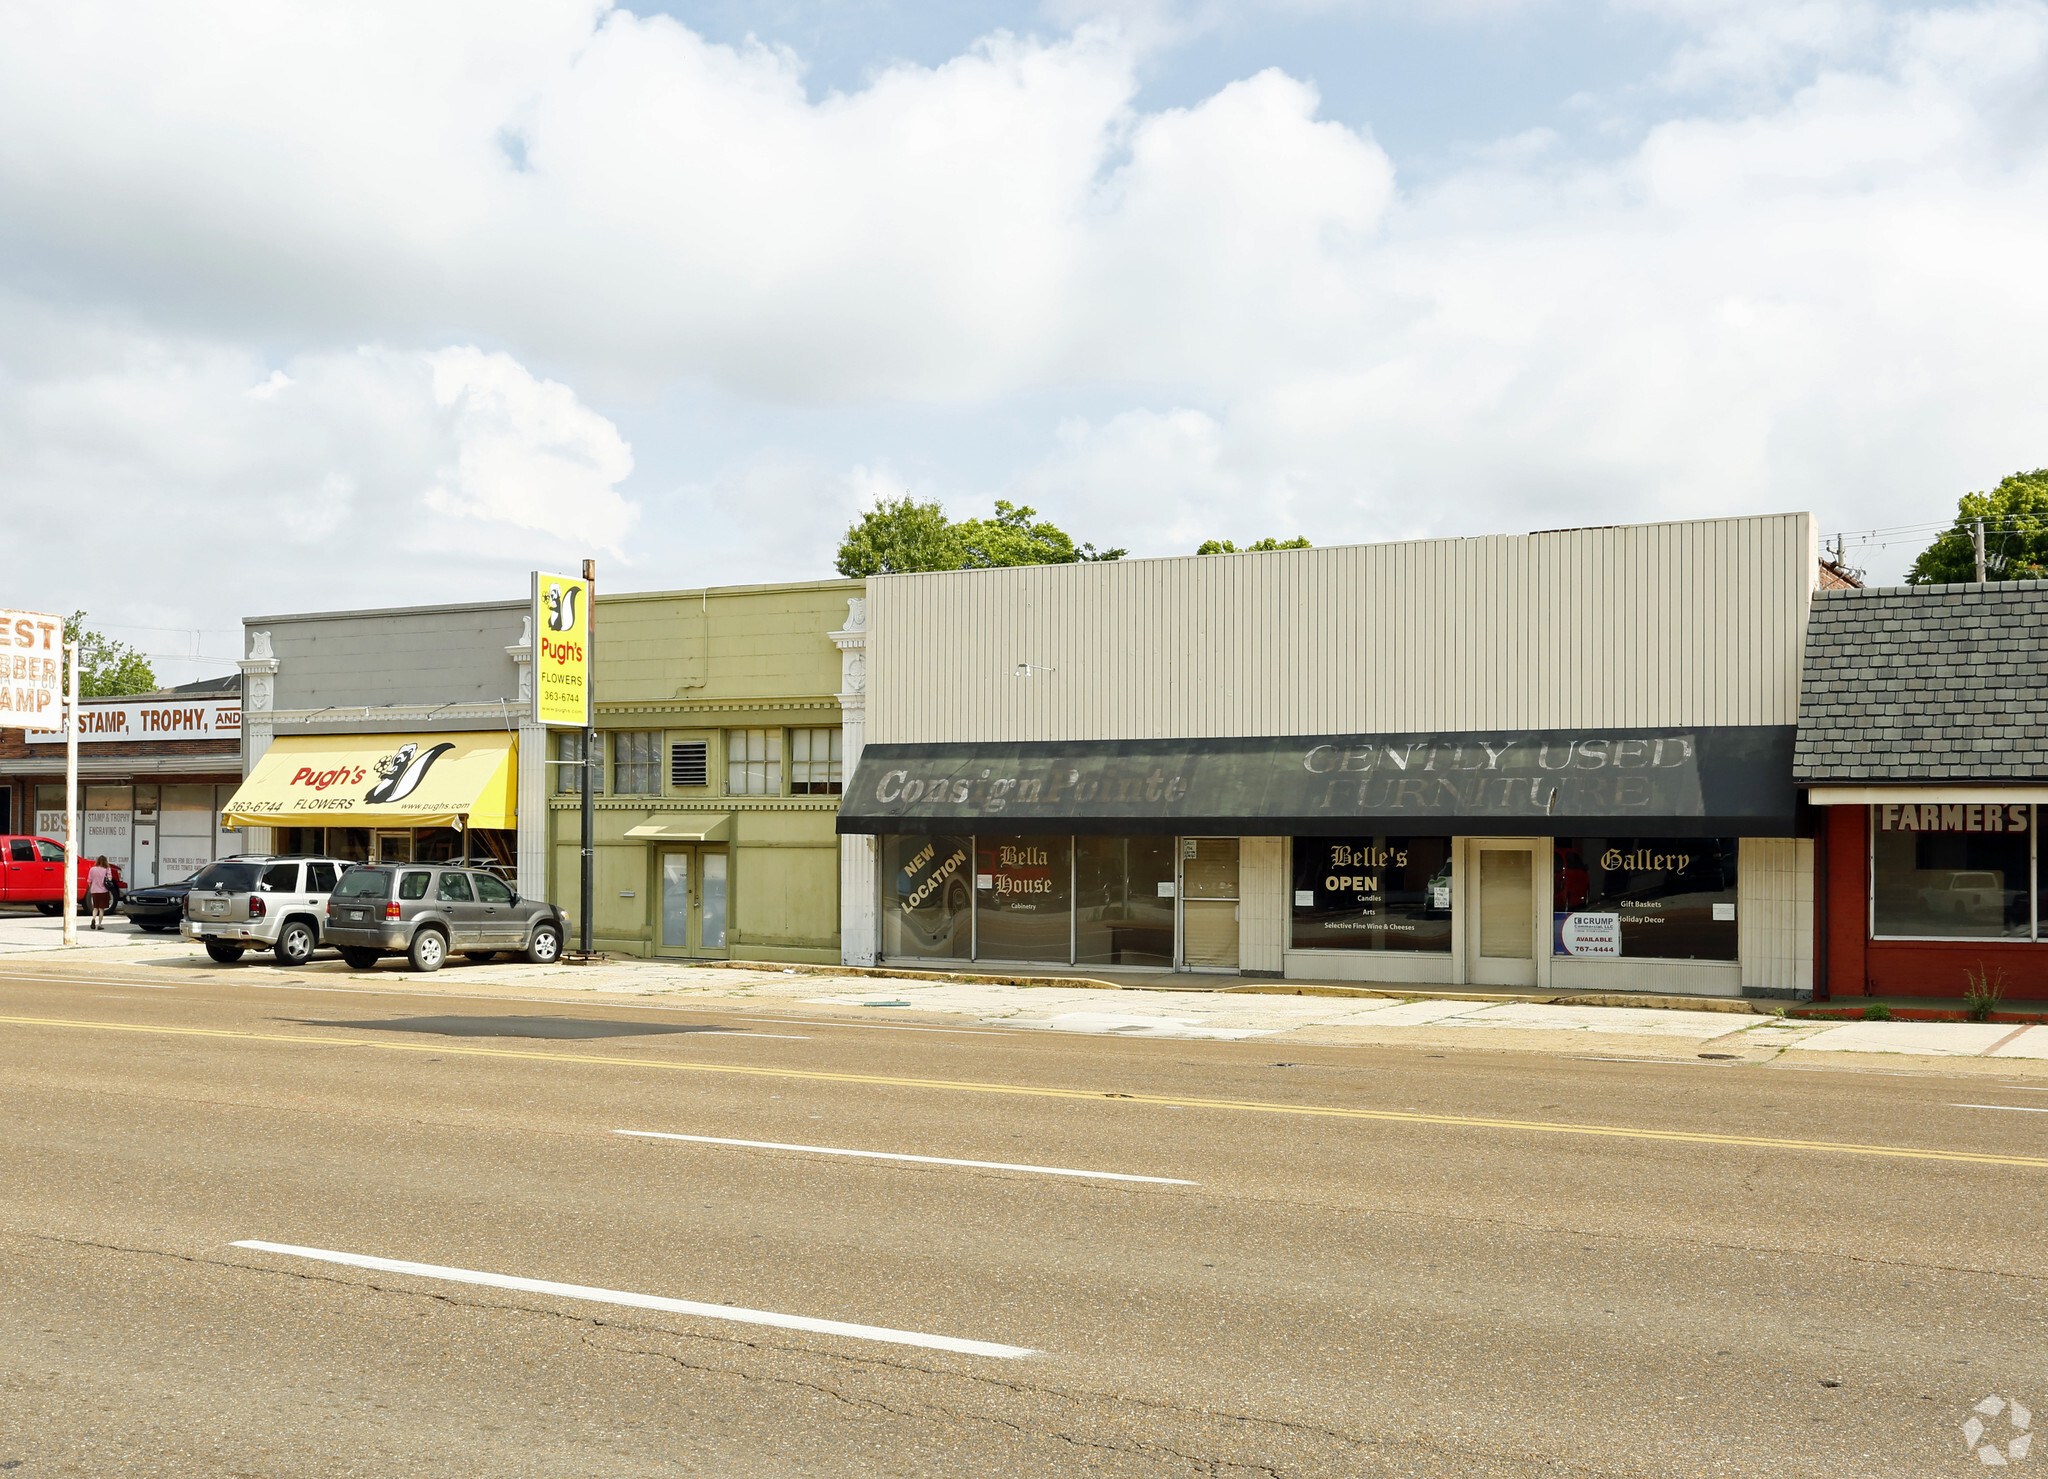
column 561, row 650
column 31, row 668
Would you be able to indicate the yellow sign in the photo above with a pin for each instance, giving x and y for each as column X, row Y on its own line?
column 406, row 780
column 561, row 650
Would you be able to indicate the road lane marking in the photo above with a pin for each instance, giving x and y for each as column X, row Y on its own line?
column 650, row 1302
column 889, row 1155
column 2015, row 1108
column 1030, row 1091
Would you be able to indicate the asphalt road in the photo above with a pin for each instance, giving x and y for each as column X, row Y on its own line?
column 1388, row 1261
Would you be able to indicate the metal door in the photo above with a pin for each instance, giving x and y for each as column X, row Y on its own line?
column 1500, row 944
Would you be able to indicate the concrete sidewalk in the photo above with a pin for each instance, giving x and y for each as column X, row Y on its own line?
column 1701, row 1033
column 24, row 929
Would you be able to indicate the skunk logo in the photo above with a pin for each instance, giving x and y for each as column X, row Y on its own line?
column 562, row 607
column 402, row 771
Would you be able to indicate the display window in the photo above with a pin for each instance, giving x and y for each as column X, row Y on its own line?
column 1123, row 901
column 1949, row 872
column 928, row 897
column 1024, row 896
column 1372, row 893
column 1644, row 898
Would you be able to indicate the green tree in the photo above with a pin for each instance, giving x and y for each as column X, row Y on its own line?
column 1010, row 538
column 1225, row 547
column 106, row 667
column 2015, row 516
column 902, row 534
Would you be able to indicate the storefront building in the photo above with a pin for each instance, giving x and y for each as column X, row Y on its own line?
column 722, row 718
column 1923, row 747
column 1559, row 760
column 389, row 736
column 155, row 771
column 402, row 735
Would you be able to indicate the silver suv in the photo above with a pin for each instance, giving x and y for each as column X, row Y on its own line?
column 425, row 910
column 261, row 903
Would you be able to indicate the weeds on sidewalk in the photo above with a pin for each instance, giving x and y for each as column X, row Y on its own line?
column 1984, row 991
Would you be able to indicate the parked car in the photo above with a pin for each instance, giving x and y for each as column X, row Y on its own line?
column 423, row 911
column 32, row 872
column 261, row 903
column 157, row 909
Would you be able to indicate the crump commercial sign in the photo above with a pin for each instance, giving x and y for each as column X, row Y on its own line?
column 561, row 651
column 31, row 666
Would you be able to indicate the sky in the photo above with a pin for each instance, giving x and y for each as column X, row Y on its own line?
column 316, row 307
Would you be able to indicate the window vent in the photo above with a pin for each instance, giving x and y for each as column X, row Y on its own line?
column 690, row 764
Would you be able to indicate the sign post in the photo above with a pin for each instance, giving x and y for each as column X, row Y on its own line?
column 71, row 802
column 562, row 620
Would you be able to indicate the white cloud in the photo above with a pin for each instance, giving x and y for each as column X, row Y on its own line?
column 1816, row 287
column 153, row 475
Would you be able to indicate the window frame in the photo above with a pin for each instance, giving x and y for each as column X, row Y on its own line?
column 2033, row 935
column 834, row 761
column 566, row 781
column 650, row 762
column 773, row 735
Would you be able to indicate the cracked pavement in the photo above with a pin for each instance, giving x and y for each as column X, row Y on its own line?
column 1441, row 1294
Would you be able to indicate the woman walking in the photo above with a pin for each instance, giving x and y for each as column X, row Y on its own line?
column 99, row 886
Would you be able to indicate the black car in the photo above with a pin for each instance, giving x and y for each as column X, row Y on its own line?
column 156, row 910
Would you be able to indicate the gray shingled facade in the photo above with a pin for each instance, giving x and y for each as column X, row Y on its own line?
column 1925, row 683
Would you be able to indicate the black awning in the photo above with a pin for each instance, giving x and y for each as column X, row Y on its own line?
column 1718, row 782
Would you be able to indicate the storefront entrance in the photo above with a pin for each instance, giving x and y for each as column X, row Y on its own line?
column 1209, row 903
column 1501, row 944
column 693, row 900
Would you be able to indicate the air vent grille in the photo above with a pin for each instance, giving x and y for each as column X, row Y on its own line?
column 689, row 764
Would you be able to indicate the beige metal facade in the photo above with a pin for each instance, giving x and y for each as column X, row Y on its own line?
column 1697, row 623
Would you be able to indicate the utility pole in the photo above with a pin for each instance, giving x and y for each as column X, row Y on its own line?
column 590, row 755
column 1977, row 539
column 71, row 802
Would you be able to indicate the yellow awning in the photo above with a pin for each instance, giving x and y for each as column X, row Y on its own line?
column 382, row 780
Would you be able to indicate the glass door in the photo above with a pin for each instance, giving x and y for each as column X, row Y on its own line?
column 1208, row 903
column 694, row 901
column 394, row 847
column 1501, row 946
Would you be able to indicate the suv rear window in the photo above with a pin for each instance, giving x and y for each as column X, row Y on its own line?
column 364, row 883
column 236, row 878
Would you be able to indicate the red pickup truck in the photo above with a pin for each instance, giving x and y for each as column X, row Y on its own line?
column 32, row 872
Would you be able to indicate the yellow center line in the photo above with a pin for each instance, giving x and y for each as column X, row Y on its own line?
column 969, row 1086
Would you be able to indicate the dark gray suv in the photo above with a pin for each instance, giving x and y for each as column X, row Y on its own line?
column 424, row 911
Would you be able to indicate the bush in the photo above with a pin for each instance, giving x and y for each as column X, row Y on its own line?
column 1877, row 1011
column 1983, row 991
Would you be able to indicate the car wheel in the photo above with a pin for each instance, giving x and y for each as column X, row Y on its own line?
column 225, row 954
column 429, row 949
column 295, row 943
column 481, row 957
column 360, row 959
column 546, row 947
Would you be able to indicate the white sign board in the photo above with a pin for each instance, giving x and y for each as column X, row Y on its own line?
column 1591, row 934
column 150, row 719
column 108, row 834
column 50, row 824
column 31, row 666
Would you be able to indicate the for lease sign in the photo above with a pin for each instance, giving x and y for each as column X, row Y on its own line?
column 148, row 719
column 561, row 650
column 31, row 666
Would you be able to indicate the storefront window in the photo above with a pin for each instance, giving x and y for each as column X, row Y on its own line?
column 350, row 844
column 1644, row 898
column 1952, row 872
column 927, row 897
column 1024, row 897
column 1372, row 893
column 302, row 841
column 1123, row 908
